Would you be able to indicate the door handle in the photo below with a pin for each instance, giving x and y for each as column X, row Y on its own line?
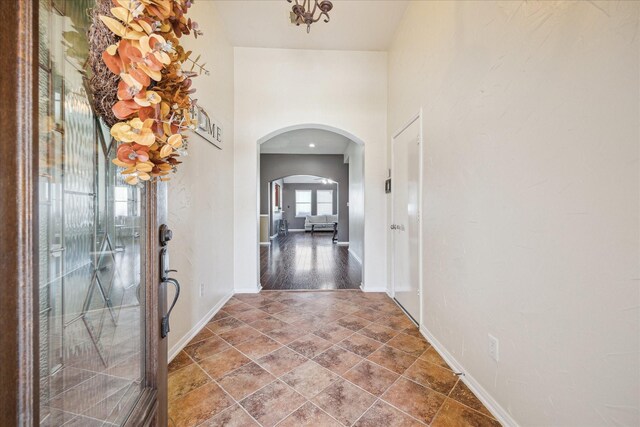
column 166, row 235
column 164, row 326
column 164, row 264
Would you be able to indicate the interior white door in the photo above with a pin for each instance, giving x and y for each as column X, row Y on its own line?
column 405, row 219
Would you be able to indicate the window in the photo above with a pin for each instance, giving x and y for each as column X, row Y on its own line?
column 324, row 202
column 303, row 203
column 121, row 201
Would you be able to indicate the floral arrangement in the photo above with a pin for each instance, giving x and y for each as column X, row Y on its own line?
column 139, row 86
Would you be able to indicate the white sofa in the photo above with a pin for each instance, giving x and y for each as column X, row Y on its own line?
column 320, row 222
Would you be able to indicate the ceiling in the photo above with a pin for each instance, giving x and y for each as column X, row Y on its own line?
column 303, row 179
column 297, row 142
column 355, row 25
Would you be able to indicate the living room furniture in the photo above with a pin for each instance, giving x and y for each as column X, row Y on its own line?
column 322, row 222
column 283, row 227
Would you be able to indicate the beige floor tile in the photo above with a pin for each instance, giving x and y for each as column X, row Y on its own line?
column 360, row 345
column 454, row 414
column 309, row 379
column 433, row 376
column 409, row 344
column 316, row 359
column 344, row 401
column 281, row 361
column 310, row 345
column 382, row 414
column 185, row 380
column 206, row 348
column 392, row 359
column 199, row 405
column 337, row 359
column 258, row 347
column 224, row 362
column 245, row 380
column 273, row 403
column 462, row 394
column 309, row 415
column 371, row 377
column 414, row 399
column 234, row 416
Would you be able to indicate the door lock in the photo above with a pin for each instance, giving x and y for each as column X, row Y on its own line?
column 165, row 234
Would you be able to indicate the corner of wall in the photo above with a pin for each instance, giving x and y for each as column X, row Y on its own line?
column 501, row 414
column 197, row 327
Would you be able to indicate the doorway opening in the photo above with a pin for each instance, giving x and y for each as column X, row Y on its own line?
column 310, row 203
column 311, row 211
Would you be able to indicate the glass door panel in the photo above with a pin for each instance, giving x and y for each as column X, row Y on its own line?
column 91, row 226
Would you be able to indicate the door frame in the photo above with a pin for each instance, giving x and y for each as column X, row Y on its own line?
column 19, row 340
column 418, row 117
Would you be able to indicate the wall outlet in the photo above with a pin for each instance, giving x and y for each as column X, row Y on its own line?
column 201, row 289
column 494, row 349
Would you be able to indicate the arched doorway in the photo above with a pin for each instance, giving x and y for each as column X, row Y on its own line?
column 331, row 196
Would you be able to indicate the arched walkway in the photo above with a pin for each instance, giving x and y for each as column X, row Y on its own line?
column 328, row 128
column 302, row 260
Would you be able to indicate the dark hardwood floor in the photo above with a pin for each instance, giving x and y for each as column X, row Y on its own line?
column 304, row 261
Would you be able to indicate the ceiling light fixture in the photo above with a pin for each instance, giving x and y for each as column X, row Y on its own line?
column 312, row 145
column 303, row 13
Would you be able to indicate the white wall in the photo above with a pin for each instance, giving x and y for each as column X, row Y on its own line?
column 200, row 194
column 355, row 156
column 531, row 198
column 278, row 88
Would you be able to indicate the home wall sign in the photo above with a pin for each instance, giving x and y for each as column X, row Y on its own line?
column 207, row 127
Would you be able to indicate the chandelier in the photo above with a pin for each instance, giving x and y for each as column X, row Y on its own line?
column 302, row 13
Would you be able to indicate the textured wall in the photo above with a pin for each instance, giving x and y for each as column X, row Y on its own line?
column 531, row 198
column 201, row 193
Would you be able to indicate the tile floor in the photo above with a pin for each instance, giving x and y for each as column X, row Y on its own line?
column 316, row 359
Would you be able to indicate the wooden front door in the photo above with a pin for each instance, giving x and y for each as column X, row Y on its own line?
column 83, row 296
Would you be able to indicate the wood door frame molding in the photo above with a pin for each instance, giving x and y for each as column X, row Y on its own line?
column 18, row 210
column 151, row 408
column 19, row 344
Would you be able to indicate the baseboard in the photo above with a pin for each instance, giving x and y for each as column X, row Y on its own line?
column 249, row 290
column 487, row 400
column 265, row 243
column 182, row 342
column 355, row 256
column 342, row 243
column 296, row 229
column 373, row 289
